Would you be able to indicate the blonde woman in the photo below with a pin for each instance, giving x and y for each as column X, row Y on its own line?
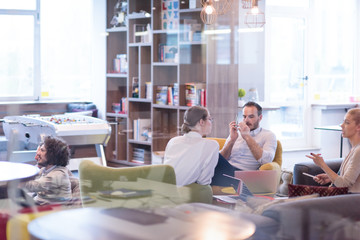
column 193, row 157
column 349, row 173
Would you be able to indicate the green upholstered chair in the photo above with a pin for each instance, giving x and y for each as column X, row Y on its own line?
column 160, row 180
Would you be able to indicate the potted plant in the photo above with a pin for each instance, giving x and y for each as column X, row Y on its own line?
column 241, row 94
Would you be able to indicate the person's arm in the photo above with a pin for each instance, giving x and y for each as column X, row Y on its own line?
column 322, row 178
column 226, row 150
column 319, row 161
column 351, row 172
column 255, row 148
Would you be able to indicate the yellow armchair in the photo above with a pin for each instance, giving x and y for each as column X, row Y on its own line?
column 274, row 165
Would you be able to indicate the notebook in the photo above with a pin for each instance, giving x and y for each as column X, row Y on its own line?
column 259, row 182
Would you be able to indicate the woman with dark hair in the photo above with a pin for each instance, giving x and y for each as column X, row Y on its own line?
column 53, row 182
column 349, row 173
column 193, row 157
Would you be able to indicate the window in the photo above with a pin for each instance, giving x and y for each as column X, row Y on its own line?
column 334, row 36
column 310, row 57
column 46, row 53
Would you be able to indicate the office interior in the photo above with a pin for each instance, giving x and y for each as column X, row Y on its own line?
column 298, row 61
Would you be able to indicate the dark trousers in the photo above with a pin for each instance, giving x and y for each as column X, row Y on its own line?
column 224, row 167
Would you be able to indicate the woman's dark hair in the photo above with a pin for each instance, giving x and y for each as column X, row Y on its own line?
column 57, row 151
column 192, row 116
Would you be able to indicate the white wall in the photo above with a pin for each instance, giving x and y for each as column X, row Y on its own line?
column 99, row 57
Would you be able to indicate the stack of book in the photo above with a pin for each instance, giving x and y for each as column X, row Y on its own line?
column 141, row 155
column 168, row 95
column 195, row 94
column 120, row 64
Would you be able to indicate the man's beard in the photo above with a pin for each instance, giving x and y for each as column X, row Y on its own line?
column 44, row 164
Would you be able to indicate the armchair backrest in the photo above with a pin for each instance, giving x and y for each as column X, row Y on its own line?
column 278, row 154
column 221, row 141
column 97, row 175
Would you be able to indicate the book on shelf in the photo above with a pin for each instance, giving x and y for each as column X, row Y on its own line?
column 176, row 94
column 170, row 96
column 124, row 105
column 148, row 90
column 195, row 94
column 141, row 155
column 120, row 64
column 161, row 95
column 169, row 14
column 141, row 129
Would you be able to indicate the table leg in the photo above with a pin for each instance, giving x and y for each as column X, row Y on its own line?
column 341, row 145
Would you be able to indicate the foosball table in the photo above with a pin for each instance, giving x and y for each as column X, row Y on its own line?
column 24, row 133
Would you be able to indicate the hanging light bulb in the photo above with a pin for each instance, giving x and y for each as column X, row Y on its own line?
column 255, row 10
column 255, row 18
column 221, row 6
column 209, row 9
column 208, row 12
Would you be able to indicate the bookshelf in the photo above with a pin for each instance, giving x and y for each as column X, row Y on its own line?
column 159, row 56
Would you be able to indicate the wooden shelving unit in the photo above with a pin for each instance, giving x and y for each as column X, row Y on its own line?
column 144, row 66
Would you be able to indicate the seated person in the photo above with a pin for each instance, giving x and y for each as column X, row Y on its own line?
column 250, row 149
column 53, row 182
column 349, row 173
column 193, row 157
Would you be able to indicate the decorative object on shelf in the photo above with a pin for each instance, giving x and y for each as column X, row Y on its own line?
column 168, row 53
column 253, row 95
column 255, row 18
column 169, row 14
column 192, row 30
column 135, row 87
column 208, row 12
column 241, row 94
column 140, row 14
column 120, row 11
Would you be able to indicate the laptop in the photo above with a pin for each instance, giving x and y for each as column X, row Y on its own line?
column 259, row 182
column 242, row 193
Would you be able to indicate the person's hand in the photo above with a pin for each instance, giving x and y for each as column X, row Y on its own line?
column 317, row 158
column 244, row 129
column 322, row 178
column 233, row 131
